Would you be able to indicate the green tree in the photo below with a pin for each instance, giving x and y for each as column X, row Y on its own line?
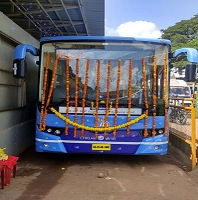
column 183, row 34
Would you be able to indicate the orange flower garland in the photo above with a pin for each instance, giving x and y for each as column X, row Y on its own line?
column 84, row 96
column 67, row 94
column 76, row 97
column 44, row 91
column 154, row 95
column 117, row 96
column 165, row 94
column 129, row 93
column 51, row 90
column 107, row 95
column 97, row 97
column 145, row 95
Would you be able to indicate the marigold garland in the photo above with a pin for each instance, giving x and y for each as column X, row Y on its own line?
column 165, row 94
column 145, row 95
column 67, row 94
column 93, row 110
column 76, row 97
column 117, row 96
column 97, row 96
column 154, row 95
column 44, row 91
column 84, row 96
column 51, row 90
column 107, row 95
column 97, row 129
column 129, row 93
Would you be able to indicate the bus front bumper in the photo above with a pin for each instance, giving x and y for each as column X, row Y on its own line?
column 148, row 146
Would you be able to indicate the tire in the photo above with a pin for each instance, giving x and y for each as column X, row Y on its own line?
column 181, row 119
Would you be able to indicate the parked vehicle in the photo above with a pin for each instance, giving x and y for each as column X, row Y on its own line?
column 178, row 116
column 102, row 94
column 180, row 89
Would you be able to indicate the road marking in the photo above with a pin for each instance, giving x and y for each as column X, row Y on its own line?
column 143, row 169
column 120, row 184
column 160, row 186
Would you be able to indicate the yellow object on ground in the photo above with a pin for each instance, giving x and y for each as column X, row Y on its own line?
column 3, row 156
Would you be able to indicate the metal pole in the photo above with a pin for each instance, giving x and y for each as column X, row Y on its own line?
column 196, row 104
column 193, row 137
column 83, row 15
column 68, row 17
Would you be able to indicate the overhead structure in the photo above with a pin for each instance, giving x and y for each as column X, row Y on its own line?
column 56, row 17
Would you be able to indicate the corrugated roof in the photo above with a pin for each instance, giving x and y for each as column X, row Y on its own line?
column 56, row 17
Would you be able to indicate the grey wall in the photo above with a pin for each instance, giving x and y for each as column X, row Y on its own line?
column 17, row 96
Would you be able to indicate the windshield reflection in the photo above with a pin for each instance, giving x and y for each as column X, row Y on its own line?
column 113, row 52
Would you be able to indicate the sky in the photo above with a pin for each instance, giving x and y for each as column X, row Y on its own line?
column 145, row 18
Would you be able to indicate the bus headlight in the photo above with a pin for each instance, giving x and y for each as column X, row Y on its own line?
column 49, row 130
column 160, row 131
column 157, row 147
column 46, row 145
column 57, row 132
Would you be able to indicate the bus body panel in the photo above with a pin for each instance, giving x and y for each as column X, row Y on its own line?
column 54, row 121
column 133, row 143
column 100, row 38
column 146, row 146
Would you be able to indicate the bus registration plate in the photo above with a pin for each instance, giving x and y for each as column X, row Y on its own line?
column 101, row 147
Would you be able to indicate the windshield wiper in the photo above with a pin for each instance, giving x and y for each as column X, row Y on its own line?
column 58, row 103
column 63, row 101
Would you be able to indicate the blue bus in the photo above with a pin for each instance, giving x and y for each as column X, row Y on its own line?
column 102, row 95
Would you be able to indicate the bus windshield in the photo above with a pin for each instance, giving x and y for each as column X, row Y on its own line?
column 105, row 51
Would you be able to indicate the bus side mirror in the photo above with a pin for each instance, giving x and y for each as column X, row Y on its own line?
column 192, row 57
column 191, row 53
column 19, row 65
column 19, row 68
column 190, row 72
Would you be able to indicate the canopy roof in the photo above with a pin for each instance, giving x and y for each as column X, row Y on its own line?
column 56, row 17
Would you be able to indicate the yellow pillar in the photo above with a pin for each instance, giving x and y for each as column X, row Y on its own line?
column 193, row 137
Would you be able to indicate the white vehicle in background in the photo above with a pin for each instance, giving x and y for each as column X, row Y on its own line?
column 180, row 89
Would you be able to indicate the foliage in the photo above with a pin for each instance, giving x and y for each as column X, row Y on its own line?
column 183, row 34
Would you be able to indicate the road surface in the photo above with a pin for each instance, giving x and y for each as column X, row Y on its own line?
column 75, row 177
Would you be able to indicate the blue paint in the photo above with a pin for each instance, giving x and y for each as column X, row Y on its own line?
column 115, row 149
column 53, row 147
column 62, row 144
column 54, row 121
column 69, row 144
column 149, row 149
column 121, row 136
column 97, row 38
column 20, row 51
column 192, row 54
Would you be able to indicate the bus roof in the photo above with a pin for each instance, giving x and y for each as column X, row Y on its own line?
column 110, row 38
column 178, row 83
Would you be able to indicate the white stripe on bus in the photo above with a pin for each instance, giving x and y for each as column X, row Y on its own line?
column 100, row 142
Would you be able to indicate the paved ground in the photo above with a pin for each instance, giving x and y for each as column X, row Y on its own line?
column 42, row 176
column 184, row 130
